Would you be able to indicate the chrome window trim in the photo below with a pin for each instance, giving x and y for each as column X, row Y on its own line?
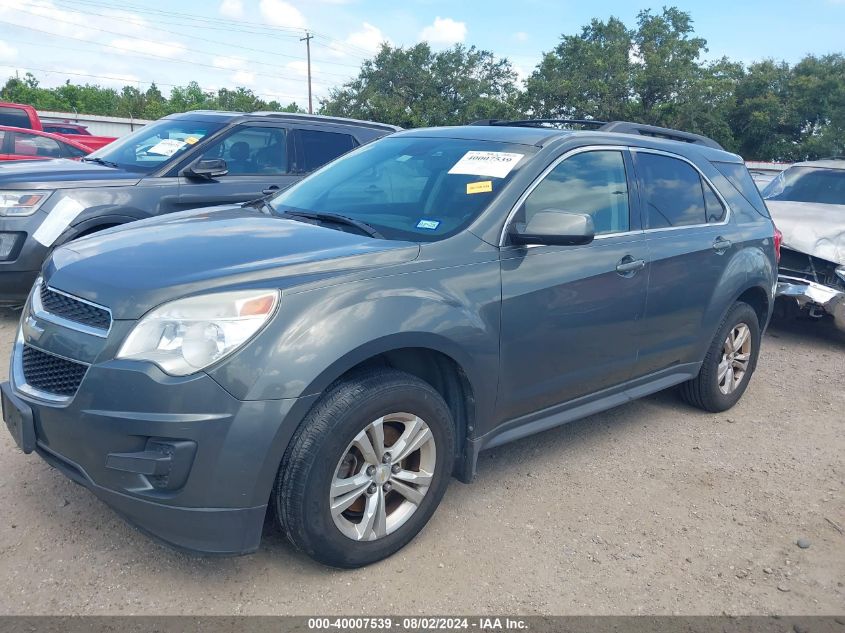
column 19, row 380
column 557, row 161
column 632, row 149
column 728, row 211
column 41, row 313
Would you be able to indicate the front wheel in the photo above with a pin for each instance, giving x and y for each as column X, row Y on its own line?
column 366, row 470
column 729, row 363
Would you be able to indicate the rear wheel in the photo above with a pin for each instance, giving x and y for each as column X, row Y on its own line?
column 366, row 470
column 729, row 363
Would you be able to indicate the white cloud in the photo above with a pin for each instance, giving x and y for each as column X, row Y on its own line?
column 280, row 13
column 520, row 36
column 7, row 51
column 149, row 47
column 444, row 31
column 232, row 8
column 301, row 68
column 369, row 37
column 243, row 78
column 228, row 63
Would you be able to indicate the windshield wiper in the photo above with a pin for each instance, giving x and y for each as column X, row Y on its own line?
column 100, row 161
column 337, row 218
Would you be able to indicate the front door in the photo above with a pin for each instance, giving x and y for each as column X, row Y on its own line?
column 259, row 161
column 571, row 314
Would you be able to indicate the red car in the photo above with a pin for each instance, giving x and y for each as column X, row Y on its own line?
column 21, row 144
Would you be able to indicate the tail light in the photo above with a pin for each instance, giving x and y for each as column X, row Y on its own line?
column 778, row 241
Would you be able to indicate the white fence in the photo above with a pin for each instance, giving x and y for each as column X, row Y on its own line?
column 97, row 125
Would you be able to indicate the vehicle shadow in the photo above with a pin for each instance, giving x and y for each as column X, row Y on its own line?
column 806, row 331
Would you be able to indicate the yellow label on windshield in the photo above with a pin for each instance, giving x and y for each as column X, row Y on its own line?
column 480, row 187
column 191, row 140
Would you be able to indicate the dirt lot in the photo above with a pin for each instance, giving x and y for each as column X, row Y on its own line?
column 651, row 508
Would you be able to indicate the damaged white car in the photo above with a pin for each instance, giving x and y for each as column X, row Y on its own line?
column 807, row 204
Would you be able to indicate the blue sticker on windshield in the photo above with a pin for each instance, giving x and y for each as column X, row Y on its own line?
column 428, row 224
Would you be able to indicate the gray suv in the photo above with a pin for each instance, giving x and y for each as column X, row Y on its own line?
column 183, row 161
column 334, row 355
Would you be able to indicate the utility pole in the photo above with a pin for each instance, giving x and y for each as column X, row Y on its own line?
column 307, row 39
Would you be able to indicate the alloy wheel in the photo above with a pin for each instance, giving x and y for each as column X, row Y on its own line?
column 736, row 354
column 383, row 477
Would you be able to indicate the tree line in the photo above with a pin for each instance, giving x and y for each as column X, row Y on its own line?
column 652, row 72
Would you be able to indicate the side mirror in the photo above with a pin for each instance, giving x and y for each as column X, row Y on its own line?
column 554, row 228
column 207, row 168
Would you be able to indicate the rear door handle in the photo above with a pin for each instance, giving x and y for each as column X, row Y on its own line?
column 628, row 265
column 720, row 245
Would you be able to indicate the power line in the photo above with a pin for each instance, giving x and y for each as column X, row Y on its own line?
column 143, row 55
column 163, row 30
column 203, row 52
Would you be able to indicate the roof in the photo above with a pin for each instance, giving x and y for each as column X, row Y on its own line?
column 521, row 135
column 827, row 163
column 541, row 136
column 289, row 116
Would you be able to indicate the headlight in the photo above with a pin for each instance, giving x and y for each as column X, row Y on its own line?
column 184, row 336
column 22, row 202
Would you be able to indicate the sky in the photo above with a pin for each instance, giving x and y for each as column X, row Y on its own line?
column 256, row 43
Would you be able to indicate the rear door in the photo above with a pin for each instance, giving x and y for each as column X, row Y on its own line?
column 571, row 314
column 690, row 240
column 259, row 159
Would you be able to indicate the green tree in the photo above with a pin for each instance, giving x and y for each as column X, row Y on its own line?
column 416, row 86
column 585, row 76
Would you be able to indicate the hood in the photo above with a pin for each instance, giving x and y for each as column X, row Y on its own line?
column 811, row 228
column 60, row 173
column 134, row 268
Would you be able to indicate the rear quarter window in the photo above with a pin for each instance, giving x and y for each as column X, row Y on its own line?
column 737, row 174
column 14, row 117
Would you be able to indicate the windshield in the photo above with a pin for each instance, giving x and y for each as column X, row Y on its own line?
column 153, row 145
column 808, row 184
column 409, row 188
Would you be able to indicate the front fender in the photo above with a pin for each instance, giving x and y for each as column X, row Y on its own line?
column 320, row 334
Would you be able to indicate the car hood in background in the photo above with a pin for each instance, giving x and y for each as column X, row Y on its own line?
column 61, row 173
column 133, row 268
column 811, row 228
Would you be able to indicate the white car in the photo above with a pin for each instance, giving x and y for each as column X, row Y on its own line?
column 807, row 203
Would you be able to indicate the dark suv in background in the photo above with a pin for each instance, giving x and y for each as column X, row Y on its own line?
column 182, row 161
column 340, row 353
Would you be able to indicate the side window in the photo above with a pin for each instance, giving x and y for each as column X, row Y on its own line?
column 252, row 151
column 716, row 211
column 73, row 152
column 672, row 190
column 2, row 141
column 14, row 117
column 317, row 148
column 34, row 145
column 590, row 182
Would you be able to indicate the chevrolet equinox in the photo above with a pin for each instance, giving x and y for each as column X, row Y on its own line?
column 334, row 354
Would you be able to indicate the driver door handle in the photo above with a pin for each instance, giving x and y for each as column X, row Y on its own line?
column 270, row 189
column 628, row 265
column 720, row 245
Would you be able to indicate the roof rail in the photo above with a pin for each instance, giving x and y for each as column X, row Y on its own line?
column 626, row 127
column 537, row 122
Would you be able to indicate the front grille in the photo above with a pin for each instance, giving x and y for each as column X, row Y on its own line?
column 74, row 309
column 50, row 373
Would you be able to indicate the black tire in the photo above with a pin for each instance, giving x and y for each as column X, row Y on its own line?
column 703, row 391
column 301, row 492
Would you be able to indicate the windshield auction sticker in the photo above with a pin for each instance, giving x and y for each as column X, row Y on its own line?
column 166, row 147
column 493, row 164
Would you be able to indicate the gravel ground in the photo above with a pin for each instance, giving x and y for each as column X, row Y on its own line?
column 650, row 508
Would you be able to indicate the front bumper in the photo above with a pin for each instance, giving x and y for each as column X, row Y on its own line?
column 20, row 269
column 809, row 294
column 180, row 458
